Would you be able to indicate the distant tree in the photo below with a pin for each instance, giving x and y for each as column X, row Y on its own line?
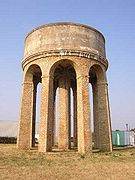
column 133, row 130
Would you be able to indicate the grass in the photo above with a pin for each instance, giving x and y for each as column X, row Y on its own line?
column 31, row 165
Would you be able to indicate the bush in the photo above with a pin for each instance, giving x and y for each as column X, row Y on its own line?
column 8, row 140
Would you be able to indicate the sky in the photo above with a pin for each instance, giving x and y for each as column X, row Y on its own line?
column 115, row 19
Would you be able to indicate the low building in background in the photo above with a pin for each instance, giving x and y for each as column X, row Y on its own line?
column 123, row 138
column 9, row 130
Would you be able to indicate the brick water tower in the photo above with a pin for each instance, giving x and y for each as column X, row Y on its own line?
column 65, row 56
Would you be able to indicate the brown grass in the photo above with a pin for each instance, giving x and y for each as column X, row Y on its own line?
column 30, row 165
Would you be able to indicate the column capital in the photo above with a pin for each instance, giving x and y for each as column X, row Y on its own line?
column 82, row 77
column 27, row 82
column 102, row 83
column 47, row 77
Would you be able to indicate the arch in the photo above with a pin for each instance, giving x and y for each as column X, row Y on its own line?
column 64, row 61
column 32, row 77
column 33, row 72
column 97, row 78
column 96, row 73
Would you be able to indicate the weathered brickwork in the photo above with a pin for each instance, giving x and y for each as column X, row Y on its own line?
column 65, row 56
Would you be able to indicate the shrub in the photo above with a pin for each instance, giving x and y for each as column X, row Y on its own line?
column 8, row 140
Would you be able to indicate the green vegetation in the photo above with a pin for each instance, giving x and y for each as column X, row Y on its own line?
column 8, row 140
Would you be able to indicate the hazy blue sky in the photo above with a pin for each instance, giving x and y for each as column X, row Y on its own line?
column 114, row 18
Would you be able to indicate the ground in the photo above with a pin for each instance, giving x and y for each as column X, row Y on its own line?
column 30, row 165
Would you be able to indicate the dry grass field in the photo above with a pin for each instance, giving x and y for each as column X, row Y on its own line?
column 30, row 165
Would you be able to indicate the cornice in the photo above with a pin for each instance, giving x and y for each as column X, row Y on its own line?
column 65, row 52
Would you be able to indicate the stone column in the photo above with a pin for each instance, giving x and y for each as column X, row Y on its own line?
column 26, row 116
column 95, row 115
column 83, row 115
column 64, row 114
column 75, row 117
column 104, row 117
column 46, row 115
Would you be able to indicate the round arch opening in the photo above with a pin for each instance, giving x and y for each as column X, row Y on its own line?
column 96, row 75
column 65, row 111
